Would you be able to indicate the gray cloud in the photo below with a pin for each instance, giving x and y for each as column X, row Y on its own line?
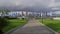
column 57, row 0
column 24, row 2
column 27, row 3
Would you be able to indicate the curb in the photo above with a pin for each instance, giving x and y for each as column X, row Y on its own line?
column 48, row 28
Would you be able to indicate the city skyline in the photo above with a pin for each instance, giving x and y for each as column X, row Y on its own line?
column 30, row 5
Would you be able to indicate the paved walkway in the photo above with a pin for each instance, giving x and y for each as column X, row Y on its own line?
column 33, row 27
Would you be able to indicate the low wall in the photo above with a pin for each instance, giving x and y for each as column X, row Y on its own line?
column 56, row 18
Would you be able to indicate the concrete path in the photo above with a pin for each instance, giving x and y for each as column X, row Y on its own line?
column 33, row 27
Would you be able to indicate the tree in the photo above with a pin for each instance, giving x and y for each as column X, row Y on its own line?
column 3, row 20
column 3, row 23
column 4, row 12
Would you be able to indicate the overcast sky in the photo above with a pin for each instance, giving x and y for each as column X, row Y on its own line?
column 30, row 3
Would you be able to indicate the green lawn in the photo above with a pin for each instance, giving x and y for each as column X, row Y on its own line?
column 14, row 23
column 54, row 24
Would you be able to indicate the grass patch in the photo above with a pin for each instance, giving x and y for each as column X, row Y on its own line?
column 54, row 24
column 14, row 23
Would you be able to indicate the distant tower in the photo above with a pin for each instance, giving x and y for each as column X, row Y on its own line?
column 22, row 13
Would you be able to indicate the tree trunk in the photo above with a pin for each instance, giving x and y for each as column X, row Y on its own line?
column 1, row 32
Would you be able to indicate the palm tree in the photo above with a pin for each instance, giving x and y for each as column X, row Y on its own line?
column 3, row 20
